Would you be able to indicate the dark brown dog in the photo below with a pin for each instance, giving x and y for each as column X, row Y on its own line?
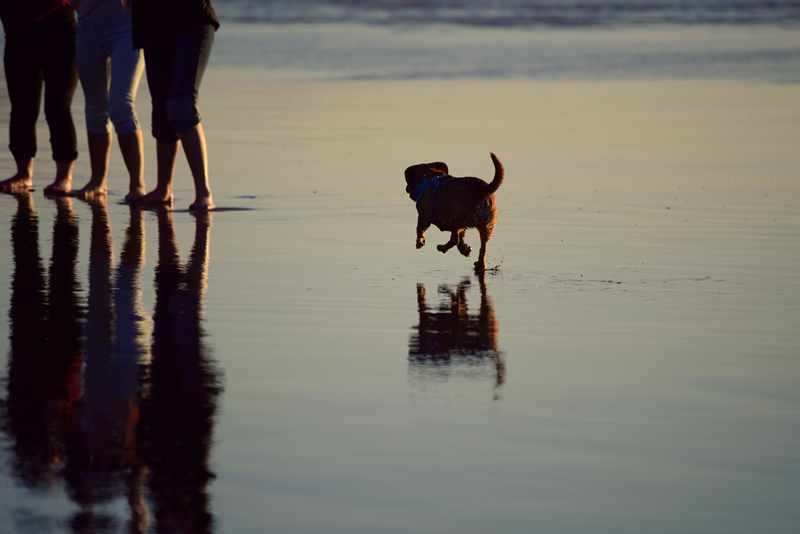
column 454, row 204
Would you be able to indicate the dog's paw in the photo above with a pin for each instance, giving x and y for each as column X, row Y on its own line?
column 480, row 267
column 420, row 242
column 464, row 249
column 442, row 248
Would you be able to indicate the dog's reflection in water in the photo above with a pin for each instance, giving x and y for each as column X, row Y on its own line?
column 452, row 343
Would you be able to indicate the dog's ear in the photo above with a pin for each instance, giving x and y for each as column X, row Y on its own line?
column 417, row 173
column 424, row 170
column 439, row 167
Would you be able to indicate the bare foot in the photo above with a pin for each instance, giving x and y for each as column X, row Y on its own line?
column 19, row 183
column 202, row 203
column 134, row 194
column 154, row 197
column 59, row 188
column 91, row 191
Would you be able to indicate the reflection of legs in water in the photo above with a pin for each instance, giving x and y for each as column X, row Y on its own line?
column 103, row 463
column 44, row 369
column 490, row 328
column 103, row 460
column 98, row 331
column 62, row 363
column 197, row 268
column 183, row 385
column 133, row 351
column 65, row 316
column 93, row 472
column 33, row 452
column 450, row 339
column 132, row 333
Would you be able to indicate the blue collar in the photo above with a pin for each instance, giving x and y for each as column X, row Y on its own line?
column 435, row 180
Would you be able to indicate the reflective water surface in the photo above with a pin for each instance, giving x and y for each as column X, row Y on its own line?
column 292, row 363
column 450, row 342
column 96, row 404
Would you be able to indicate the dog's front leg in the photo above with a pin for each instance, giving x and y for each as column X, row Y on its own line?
column 463, row 248
column 454, row 239
column 423, row 223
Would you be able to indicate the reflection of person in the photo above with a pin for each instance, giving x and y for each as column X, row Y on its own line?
column 44, row 367
column 102, row 453
column 40, row 52
column 110, row 70
column 132, row 335
column 449, row 336
column 176, row 36
column 183, row 385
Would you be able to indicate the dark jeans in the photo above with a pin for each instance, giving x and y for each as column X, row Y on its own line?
column 175, row 66
column 42, row 57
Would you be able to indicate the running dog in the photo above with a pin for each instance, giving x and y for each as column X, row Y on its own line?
column 454, row 204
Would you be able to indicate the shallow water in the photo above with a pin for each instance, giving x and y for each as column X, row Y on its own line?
column 293, row 364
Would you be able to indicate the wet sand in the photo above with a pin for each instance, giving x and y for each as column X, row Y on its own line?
column 631, row 365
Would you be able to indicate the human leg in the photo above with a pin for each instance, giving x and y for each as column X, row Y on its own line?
column 99, row 154
column 127, row 66
column 166, row 158
column 92, row 64
column 132, row 147
column 57, row 33
column 194, row 146
column 24, row 83
column 192, row 51
column 158, row 64
column 22, row 180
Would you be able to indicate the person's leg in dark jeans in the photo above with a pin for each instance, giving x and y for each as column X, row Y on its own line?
column 42, row 56
column 175, row 69
column 60, row 80
column 24, row 82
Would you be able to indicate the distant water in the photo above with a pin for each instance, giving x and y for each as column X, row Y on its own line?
column 523, row 39
column 516, row 13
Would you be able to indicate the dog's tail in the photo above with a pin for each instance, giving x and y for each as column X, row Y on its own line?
column 499, row 174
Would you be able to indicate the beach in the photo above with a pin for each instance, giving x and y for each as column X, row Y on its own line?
column 629, row 363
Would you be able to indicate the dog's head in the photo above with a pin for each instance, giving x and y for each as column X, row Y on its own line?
column 416, row 174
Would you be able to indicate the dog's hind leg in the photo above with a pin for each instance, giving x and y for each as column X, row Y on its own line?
column 486, row 234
